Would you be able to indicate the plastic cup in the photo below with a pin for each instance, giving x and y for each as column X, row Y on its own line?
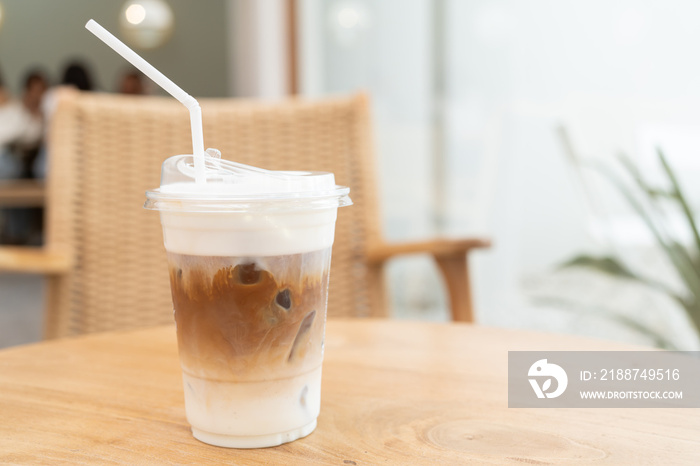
column 249, row 278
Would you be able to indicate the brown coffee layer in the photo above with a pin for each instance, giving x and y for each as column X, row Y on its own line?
column 250, row 319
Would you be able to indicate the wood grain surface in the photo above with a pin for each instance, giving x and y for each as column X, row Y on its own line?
column 33, row 259
column 22, row 193
column 393, row 393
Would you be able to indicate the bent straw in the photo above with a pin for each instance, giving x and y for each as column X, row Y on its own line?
column 164, row 82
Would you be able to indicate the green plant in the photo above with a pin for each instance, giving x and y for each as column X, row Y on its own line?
column 651, row 204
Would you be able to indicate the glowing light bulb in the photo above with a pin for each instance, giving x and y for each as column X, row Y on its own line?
column 146, row 24
column 348, row 17
column 348, row 22
column 135, row 14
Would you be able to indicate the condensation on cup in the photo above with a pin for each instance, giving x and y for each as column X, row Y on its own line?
column 249, row 255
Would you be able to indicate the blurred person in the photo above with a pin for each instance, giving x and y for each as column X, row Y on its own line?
column 28, row 144
column 77, row 75
column 22, row 124
column 4, row 95
column 131, row 83
column 35, row 85
column 21, row 136
column 9, row 168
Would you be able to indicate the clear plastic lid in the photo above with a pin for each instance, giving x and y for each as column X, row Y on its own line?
column 232, row 186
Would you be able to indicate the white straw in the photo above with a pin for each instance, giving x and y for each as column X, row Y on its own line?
column 164, row 82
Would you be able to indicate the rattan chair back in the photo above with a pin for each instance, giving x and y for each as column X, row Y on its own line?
column 106, row 151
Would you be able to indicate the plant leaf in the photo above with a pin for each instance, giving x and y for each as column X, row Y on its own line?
column 685, row 268
column 660, row 193
column 680, row 197
column 608, row 265
column 686, row 261
column 612, row 266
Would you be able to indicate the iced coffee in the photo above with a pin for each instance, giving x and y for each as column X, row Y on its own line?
column 249, row 261
column 250, row 335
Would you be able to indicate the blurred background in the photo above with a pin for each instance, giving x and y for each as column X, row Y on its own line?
column 499, row 118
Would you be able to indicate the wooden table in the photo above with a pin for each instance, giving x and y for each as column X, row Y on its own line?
column 393, row 393
column 22, row 193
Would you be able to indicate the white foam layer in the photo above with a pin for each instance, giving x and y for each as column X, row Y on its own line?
column 253, row 414
column 248, row 234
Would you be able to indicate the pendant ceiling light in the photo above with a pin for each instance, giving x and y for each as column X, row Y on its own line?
column 146, row 24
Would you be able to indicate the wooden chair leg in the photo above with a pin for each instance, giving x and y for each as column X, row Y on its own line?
column 376, row 286
column 55, row 324
column 455, row 270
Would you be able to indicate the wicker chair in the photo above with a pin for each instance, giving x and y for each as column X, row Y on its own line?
column 104, row 254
